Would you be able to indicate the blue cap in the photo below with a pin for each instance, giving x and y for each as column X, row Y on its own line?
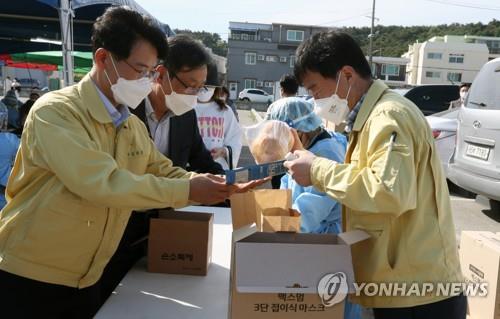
column 296, row 112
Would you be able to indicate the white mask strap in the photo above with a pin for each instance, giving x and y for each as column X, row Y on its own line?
column 338, row 81
column 114, row 66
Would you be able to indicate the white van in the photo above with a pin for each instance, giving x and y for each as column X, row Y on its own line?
column 475, row 165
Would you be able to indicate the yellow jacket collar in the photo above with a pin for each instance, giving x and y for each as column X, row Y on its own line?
column 374, row 93
column 92, row 101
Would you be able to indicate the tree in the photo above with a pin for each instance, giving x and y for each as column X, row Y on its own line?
column 394, row 40
column 211, row 40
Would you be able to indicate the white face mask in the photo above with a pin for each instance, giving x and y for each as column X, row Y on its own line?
column 333, row 108
column 205, row 95
column 179, row 103
column 129, row 92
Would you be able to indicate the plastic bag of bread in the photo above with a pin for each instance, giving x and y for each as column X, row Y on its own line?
column 269, row 141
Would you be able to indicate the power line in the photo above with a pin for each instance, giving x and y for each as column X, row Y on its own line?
column 465, row 5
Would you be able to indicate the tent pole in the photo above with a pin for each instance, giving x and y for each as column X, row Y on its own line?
column 66, row 18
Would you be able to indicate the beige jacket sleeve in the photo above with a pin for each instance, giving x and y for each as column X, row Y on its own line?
column 387, row 183
column 59, row 143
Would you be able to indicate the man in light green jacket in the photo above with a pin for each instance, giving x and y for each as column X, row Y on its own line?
column 84, row 164
column 391, row 185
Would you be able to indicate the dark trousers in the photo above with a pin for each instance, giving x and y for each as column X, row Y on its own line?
column 451, row 308
column 25, row 298
column 132, row 247
column 22, row 298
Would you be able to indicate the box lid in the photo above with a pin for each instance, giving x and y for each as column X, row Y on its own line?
column 288, row 262
column 354, row 236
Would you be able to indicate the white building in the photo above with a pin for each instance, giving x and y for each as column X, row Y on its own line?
column 447, row 59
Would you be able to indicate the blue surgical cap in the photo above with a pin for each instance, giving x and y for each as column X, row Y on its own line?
column 296, row 112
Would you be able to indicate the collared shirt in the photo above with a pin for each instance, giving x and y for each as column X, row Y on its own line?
column 118, row 114
column 351, row 117
column 160, row 129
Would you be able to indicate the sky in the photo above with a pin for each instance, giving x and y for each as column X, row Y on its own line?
column 214, row 15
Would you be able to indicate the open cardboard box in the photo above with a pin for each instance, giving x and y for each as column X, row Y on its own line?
column 276, row 275
column 180, row 243
column 269, row 209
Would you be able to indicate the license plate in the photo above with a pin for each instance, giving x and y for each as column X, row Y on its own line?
column 478, row 152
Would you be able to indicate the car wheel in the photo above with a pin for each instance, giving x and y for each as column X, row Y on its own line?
column 245, row 99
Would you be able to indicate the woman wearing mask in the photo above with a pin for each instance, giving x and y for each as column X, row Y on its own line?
column 320, row 213
column 464, row 90
column 218, row 125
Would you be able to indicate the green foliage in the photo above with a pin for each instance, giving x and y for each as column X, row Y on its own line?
column 211, row 40
column 394, row 40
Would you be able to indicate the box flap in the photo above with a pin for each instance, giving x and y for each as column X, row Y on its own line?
column 284, row 266
column 352, row 237
column 243, row 232
column 243, row 210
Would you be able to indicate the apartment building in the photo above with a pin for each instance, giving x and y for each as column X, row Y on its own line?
column 449, row 59
column 259, row 54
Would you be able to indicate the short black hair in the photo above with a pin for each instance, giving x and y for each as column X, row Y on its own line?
column 212, row 74
column 185, row 52
column 289, row 84
column 327, row 52
column 120, row 27
column 465, row 85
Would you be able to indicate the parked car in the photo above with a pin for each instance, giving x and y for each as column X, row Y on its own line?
column 475, row 165
column 255, row 95
column 432, row 99
column 29, row 84
column 444, row 129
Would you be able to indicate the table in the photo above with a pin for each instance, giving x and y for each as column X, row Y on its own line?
column 152, row 296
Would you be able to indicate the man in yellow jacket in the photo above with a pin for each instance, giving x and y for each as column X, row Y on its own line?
column 84, row 164
column 391, row 185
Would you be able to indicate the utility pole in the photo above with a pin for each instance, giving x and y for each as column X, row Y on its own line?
column 370, row 50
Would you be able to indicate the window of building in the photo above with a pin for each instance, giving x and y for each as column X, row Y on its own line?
column 260, row 84
column 268, row 84
column 271, row 58
column 294, row 35
column 433, row 74
column 261, row 57
column 292, row 61
column 456, row 58
column 390, row 69
column 455, row 77
column 250, row 58
column 283, row 59
column 250, row 83
column 434, row 56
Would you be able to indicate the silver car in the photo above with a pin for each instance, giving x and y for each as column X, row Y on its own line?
column 444, row 129
column 475, row 165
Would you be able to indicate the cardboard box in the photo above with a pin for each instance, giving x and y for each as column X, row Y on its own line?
column 480, row 262
column 180, row 243
column 247, row 208
column 276, row 275
column 279, row 219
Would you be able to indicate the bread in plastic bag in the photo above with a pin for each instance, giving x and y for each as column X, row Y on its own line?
column 269, row 141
